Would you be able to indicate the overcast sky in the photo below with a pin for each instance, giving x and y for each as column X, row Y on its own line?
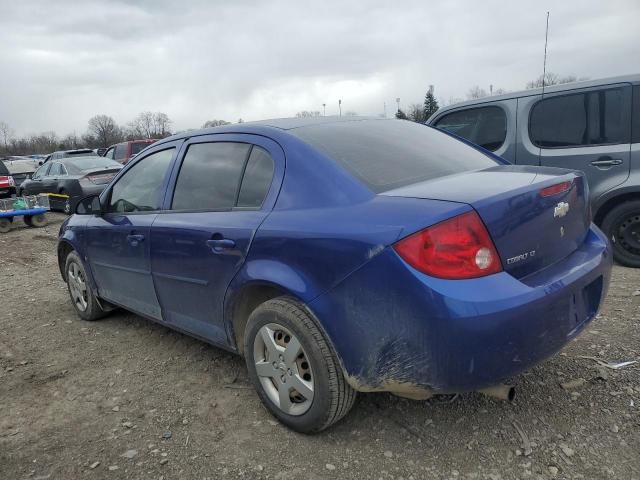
column 62, row 62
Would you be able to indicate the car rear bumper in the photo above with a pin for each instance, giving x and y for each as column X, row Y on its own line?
column 398, row 330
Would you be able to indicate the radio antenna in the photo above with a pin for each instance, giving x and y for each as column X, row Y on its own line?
column 544, row 75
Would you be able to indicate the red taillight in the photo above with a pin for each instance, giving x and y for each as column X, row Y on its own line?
column 555, row 189
column 454, row 249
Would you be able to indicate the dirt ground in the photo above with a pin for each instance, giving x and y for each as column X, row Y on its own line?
column 126, row 398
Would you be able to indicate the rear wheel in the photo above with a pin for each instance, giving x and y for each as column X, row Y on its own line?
column 5, row 225
column 39, row 220
column 622, row 226
column 82, row 298
column 66, row 208
column 293, row 368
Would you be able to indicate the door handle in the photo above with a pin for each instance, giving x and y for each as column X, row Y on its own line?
column 606, row 162
column 135, row 239
column 220, row 245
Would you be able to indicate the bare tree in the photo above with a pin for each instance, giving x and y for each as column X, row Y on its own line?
column 215, row 123
column 476, row 92
column 416, row 113
column 6, row 134
column 307, row 113
column 162, row 125
column 553, row 79
column 105, row 130
column 149, row 125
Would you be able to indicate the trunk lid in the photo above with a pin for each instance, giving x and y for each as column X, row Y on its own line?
column 530, row 231
column 101, row 176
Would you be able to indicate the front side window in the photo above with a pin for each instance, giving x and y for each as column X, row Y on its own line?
column 210, row 176
column 580, row 119
column 120, row 152
column 41, row 172
column 257, row 179
column 484, row 126
column 138, row 190
column 109, row 153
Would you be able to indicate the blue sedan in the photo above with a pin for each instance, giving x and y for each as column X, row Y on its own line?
column 343, row 255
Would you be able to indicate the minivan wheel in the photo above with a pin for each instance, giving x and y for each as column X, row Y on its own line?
column 82, row 298
column 622, row 227
column 293, row 368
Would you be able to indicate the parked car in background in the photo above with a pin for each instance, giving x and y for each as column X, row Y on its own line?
column 7, row 183
column 593, row 126
column 386, row 256
column 72, row 178
column 79, row 152
column 123, row 152
column 20, row 168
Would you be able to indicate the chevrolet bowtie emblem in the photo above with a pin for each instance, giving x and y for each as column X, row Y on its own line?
column 561, row 209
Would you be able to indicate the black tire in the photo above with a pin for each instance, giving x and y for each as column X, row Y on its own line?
column 333, row 397
column 622, row 226
column 39, row 220
column 93, row 310
column 5, row 225
column 66, row 208
column 27, row 220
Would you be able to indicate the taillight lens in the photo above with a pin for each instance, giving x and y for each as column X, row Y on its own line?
column 12, row 182
column 457, row 248
column 555, row 189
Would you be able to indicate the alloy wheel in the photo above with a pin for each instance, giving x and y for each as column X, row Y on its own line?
column 77, row 287
column 283, row 369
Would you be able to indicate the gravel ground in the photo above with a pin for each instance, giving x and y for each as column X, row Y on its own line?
column 126, row 398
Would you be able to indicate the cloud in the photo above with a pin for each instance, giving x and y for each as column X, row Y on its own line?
column 65, row 61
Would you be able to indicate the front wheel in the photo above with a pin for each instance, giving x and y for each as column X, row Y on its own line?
column 293, row 368
column 622, row 227
column 82, row 298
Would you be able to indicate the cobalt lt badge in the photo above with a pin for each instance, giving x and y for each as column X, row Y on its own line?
column 561, row 210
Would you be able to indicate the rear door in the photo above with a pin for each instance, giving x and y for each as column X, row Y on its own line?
column 587, row 129
column 118, row 242
column 219, row 195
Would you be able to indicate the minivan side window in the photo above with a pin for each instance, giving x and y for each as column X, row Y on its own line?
column 256, row 179
column 580, row 119
column 635, row 119
column 138, row 189
column 209, row 177
column 484, row 126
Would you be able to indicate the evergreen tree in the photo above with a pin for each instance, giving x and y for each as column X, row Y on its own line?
column 401, row 115
column 430, row 104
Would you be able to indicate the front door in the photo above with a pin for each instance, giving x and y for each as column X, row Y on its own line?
column 118, row 242
column 586, row 130
column 202, row 238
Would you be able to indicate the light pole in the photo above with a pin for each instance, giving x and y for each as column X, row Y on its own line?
column 340, row 106
column 324, row 109
column 398, row 102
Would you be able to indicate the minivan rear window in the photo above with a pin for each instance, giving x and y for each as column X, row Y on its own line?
column 387, row 154
column 484, row 126
column 635, row 120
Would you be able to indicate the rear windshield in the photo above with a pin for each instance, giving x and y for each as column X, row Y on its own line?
column 138, row 147
column 3, row 169
column 90, row 163
column 387, row 154
column 79, row 153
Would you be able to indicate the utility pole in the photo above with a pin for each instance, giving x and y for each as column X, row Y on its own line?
column 398, row 102
column 324, row 109
column 340, row 106
column 491, row 90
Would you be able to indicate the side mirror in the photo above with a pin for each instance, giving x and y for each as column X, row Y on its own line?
column 89, row 205
column 40, row 163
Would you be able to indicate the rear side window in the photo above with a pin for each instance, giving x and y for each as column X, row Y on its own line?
column 55, row 169
column 387, row 154
column 210, row 176
column 138, row 190
column 120, row 152
column 580, row 119
column 635, row 135
column 484, row 126
column 3, row 169
column 138, row 147
column 257, row 179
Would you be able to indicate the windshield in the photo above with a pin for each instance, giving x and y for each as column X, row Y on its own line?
column 387, row 154
column 91, row 163
column 138, row 147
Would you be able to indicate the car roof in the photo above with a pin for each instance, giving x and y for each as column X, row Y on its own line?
column 75, row 158
column 635, row 78
column 275, row 125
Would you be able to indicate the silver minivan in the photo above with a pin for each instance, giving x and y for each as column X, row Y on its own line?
column 593, row 126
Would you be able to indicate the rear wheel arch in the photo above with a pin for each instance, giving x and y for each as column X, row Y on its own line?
column 612, row 203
